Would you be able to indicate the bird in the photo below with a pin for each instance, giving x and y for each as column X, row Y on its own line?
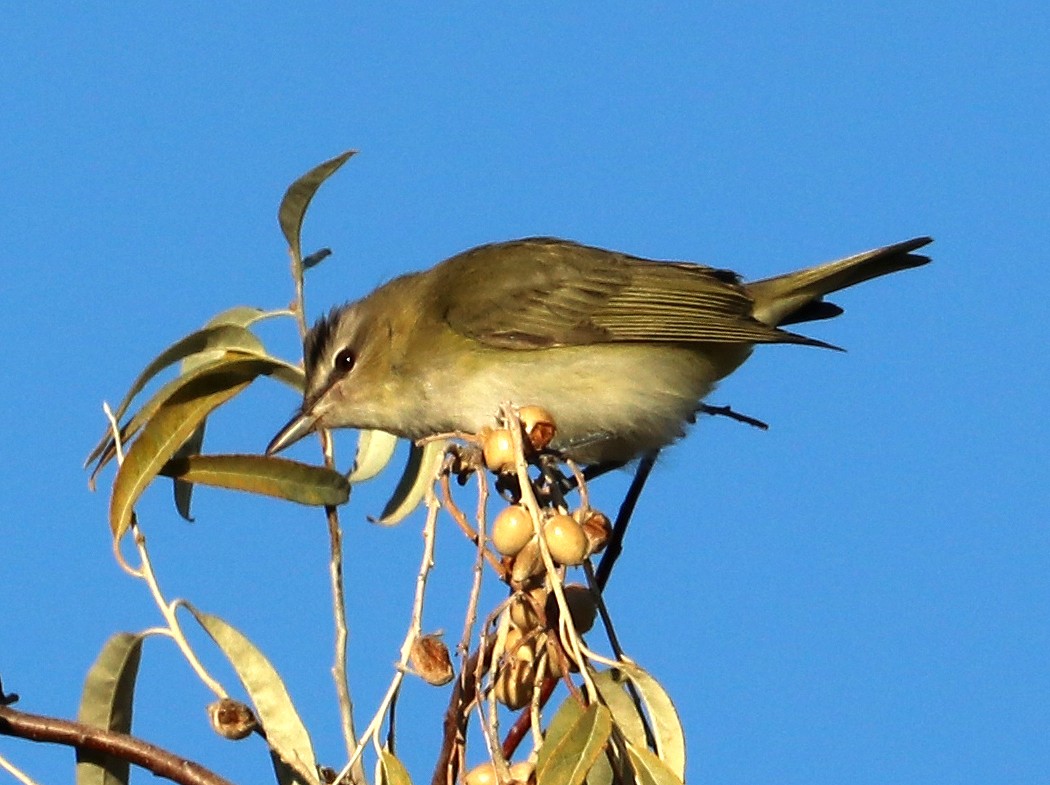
column 621, row 350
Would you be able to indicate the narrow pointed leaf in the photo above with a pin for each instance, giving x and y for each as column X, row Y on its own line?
column 649, row 769
column 625, row 713
column 168, row 430
column 394, row 771
column 374, row 451
column 183, row 489
column 106, row 702
column 224, row 336
column 243, row 316
column 285, row 731
column 297, row 198
column 565, row 759
column 270, row 476
column 666, row 725
column 277, row 368
column 420, row 471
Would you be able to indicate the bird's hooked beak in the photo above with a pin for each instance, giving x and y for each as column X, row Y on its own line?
column 295, row 429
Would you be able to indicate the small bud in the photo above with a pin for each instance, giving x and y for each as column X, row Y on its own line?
column 431, row 661
column 231, row 719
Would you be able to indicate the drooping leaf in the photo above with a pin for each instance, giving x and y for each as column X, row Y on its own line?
column 666, row 725
column 420, row 471
column 625, row 713
column 565, row 758
column 649, row 769
column 107, row 702
column 243, row 316
column 393, row 770
column 211, row 341
column 374, row 451
column 285, row 732
column 297, row 198
column 267, row 475
column 279, row 369
column 183, row 489
column 168, row 430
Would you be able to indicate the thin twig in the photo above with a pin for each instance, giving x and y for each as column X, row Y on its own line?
column 414, row 629
column 461, row 520
column 16, row 772
column 89, row 738
column 528, row 497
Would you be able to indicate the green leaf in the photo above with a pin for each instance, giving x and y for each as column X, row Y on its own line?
column 267, row 475
column 243, row 316
column 649, row 769
column 297, row 198
column 279, row 369
column 211, row 342
column 666, row 725
column 169, row 428
column 374, row 451
column 566, row 757
column 394, row 771
column 285, row 732
column 183, row 489
column 420, row 471
column 625, row 714
column 106, row 702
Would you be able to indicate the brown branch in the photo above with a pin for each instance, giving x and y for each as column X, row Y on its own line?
column 52, row 730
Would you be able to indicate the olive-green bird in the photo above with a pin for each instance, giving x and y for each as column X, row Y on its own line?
column 621, row 350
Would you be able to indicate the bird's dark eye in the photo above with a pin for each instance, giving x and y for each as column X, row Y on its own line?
column 345, row 359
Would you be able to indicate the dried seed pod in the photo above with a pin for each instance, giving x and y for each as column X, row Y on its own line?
column 538, row 425
column 517, row 678
column 430, row 660
column 528, row 564
column 526, row 607
column 511, row 530
column 597, row 527
column 231, row 719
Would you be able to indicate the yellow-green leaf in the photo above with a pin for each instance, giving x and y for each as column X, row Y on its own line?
column 649, row 769
column 625, row 713
column 279, row 369
column 106, row 702
column 285, row 732
column 168, row 430
column 297, row 198
column 420, row 471
column 393, row 770
column 666, row 725
column 271, row 476
column 565, row 758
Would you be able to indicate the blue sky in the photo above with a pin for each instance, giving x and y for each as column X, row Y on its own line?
column 858, row 595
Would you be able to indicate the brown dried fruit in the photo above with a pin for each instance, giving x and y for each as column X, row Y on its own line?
column 538, row 425
column 430, row 660
column 231, row 719
column 498, row 449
